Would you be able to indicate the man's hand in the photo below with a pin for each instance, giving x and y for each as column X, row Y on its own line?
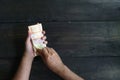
column 54, row 63
column 52, row 60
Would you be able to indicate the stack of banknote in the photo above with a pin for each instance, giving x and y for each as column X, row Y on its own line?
column 36, row 34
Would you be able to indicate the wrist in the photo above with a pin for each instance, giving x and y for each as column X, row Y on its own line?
column 28, row 55
column 69, row 75
column 63, row 70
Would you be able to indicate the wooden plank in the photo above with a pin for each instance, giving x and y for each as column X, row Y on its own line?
column 69, row 39
column 91, row 68
column 58, row 10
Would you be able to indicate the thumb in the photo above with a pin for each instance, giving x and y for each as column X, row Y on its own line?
column 28, row 38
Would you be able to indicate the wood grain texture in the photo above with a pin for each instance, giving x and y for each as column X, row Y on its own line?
column 91, row 68
column 85, row 33
column 69, row 39
column 59, row 10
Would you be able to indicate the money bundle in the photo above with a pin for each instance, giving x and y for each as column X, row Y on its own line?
column 36, row 34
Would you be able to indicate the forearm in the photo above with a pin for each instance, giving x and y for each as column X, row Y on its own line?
column 67, row 74
column 24, row 68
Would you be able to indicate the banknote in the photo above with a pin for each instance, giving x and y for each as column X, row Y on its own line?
column 36, row 34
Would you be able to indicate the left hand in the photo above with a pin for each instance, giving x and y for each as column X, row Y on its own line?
column 29, row 47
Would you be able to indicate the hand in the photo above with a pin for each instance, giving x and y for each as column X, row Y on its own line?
column 52, row 60
column 54, row 63
column 29, row 47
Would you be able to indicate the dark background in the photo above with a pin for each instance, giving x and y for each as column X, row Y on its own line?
column 85, row 33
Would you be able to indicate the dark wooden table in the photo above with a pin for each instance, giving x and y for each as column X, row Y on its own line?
column 85, row 33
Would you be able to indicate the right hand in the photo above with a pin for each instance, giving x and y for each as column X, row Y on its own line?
column 52, row 60
column 54, row 63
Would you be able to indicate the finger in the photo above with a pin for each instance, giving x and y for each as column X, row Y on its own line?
column 49, row 51
column 44, row 38
column 28, row 38
column 44, row 53
column 29, row 33
column 45, row 42
column 39, row 51
column 43, row 32
column 53, row 51
column 28, row 41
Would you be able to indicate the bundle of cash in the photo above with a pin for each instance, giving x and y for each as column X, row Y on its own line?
column 36, row 34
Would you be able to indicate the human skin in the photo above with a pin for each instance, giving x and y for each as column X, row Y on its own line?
column 50, row 58
column 24, row 68
column 55, row 64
